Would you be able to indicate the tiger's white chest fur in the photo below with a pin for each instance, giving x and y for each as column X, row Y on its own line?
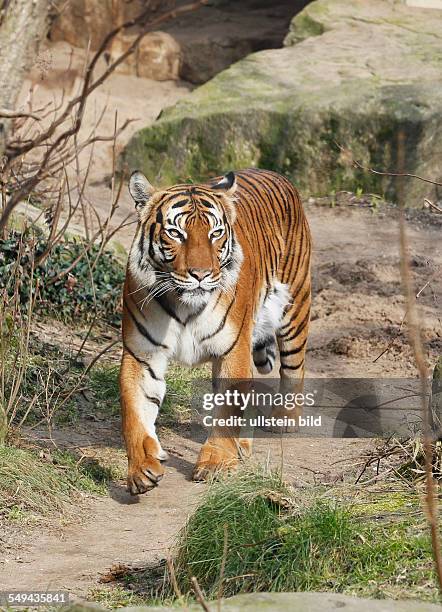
column 202, row 339
column 189, row 349
column 190, row 338
column 196, row 339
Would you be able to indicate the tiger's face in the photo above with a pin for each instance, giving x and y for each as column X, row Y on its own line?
column 185, row 243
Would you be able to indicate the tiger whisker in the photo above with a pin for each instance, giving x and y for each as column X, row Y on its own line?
column 139, row 289
column 156, row 290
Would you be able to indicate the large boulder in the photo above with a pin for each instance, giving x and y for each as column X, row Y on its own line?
column 87, row 22
column 363, row 75
column 194, row 46
column 157, row 57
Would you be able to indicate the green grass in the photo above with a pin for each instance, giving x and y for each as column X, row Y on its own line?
column 86, row 474
column 50, row 374
column 32, row 487
column 177, row 405
column 176, row 408
column 321, row 545
column 46, row 376
column 116, row 597
column 103, row 382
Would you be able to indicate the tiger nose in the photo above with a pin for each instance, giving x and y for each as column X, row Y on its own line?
column 199, row 273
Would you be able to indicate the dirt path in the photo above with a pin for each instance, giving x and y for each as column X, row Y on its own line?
column 119, row 529
column 116, row 529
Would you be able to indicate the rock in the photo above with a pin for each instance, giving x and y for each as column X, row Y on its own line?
column 80, row 21
column 365, row 75
column 158, row 56
column 194, row 47
column 216, row 36
column 295, row 602
column 319, row 602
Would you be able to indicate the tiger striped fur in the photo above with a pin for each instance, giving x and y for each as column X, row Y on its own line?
column 216, row 272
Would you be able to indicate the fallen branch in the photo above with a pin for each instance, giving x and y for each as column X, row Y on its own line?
column 199, row 595
column 429, row 204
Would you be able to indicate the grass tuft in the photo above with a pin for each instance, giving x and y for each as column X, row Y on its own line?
column 274, row 543
column 28, row 484
column 32, row 487
column 117, row 597
column 177, row 405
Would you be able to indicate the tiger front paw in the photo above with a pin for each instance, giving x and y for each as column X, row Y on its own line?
column 145, row 470
column 216, row 456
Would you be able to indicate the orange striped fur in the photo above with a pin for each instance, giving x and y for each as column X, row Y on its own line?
column 216, row 273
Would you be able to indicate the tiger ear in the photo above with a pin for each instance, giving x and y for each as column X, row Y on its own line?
column 227, row 184
column 140, row 189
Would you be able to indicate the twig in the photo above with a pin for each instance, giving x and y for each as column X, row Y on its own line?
column 223, row 567
column 358, row 164
column 8, row 114
column 398, row 333
column 393, row 340
column 430, row 204
column 173, row 579
column 199, row 595
column 76, row 387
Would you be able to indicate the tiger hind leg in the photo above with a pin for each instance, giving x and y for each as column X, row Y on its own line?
column 292, row 343
column 264, row 354
column 269, row 318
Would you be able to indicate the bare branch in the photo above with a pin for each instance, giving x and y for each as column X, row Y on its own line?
column 8, row 114
column 77, row 105
column 416, row 341
column 199, row 595
column 358, row 164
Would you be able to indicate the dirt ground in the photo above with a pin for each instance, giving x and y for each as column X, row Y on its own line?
column 358, row 312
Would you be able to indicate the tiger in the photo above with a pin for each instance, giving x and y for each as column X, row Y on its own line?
column 217, row 272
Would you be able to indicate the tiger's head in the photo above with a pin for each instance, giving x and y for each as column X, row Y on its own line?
column 185, row 243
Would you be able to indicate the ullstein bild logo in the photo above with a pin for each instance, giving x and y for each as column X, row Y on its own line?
column 262, row 421
column 340, row 408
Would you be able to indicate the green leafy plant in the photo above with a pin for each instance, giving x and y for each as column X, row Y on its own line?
column 75, row 281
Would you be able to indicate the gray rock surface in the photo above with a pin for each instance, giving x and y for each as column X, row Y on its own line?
column 293, row 602
column 365, row 75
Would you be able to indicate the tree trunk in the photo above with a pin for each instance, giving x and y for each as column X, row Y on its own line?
column 23, row 24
